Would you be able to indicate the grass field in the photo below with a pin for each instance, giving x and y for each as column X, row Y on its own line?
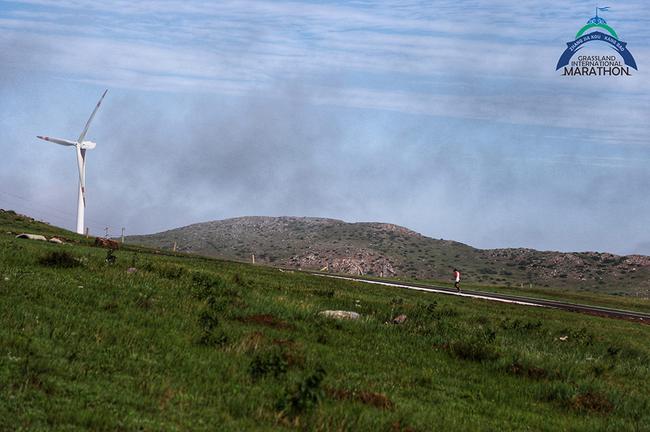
column 188, row 343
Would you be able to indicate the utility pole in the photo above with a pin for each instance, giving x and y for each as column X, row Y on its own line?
column 122, row 234
column 87, row 232
column 106, row 230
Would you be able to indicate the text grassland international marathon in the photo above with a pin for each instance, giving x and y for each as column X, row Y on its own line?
column 593, row 65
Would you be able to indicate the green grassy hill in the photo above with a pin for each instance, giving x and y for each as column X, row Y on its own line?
column 191, row 343
column 386, row 250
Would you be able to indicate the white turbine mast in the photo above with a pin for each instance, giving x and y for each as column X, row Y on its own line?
column 81, row 146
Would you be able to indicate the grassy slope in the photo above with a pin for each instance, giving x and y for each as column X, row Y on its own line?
column 170, row 348
column 640, row 304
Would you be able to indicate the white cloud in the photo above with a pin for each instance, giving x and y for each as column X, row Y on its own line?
column 469, row 62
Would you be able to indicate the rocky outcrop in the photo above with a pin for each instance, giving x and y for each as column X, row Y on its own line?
column 362, row 263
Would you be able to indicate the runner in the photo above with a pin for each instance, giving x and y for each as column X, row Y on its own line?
column 457, row 280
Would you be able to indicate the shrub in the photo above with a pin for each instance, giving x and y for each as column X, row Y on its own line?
column 213, row 338
column 147, row 266
column 271, row 362
column 446, row 312
column 585, row 400
column 170, row 271
column 520, row 326
column 60, row 259
column 303, row 396
column 557, row 392
column 478, row 346
column 473, row 350
column 524, row 369
column 145, row 300
column 237, row 279
column 207, row 285
column 592, row 401
column 396, row 301
column 210, row 334
column 423, row 313
column 327, row 293
column 208, row 319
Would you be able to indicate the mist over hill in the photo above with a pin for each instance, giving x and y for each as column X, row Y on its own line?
column 387, row 250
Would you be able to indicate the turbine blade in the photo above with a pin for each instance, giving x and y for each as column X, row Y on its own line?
column 57, row 141
column 85, row 131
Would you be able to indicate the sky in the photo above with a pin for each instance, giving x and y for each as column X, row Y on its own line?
column 446, row 117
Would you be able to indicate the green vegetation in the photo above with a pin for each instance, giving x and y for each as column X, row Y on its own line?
column 190, row 343
column 640, row 304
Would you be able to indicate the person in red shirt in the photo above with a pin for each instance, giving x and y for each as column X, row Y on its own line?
column 457, row 280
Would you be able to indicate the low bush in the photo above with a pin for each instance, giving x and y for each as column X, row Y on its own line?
column 170, row 271
column 303, row 396
column 522, row 369
column 207, row 285
column 268, row 363
column 592, row 401
column 60, row 259
column 210, row 334
column 478, row 346
column 327, row 293
column 472, row 350
column 520, row 326
column 213, row 338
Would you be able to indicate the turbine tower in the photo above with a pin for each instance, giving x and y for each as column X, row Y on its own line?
column 80, row 146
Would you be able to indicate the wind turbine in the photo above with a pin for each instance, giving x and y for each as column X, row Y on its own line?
column 81, row 146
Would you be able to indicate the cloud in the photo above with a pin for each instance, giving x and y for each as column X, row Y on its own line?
column 233, row 48
column 448, row 119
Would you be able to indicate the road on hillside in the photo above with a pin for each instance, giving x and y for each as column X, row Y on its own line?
column 507, row 298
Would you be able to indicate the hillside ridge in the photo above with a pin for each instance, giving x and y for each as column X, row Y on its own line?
column 389, row 250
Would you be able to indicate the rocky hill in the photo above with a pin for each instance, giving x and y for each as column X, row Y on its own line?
column 387, row 250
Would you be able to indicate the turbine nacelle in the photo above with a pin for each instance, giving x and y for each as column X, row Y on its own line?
column 87, row 145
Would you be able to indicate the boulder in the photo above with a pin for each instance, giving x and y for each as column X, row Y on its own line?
column 338, row 314
column 31, row 237
column 131, row 270
column 399, row 319
column 55, row 240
